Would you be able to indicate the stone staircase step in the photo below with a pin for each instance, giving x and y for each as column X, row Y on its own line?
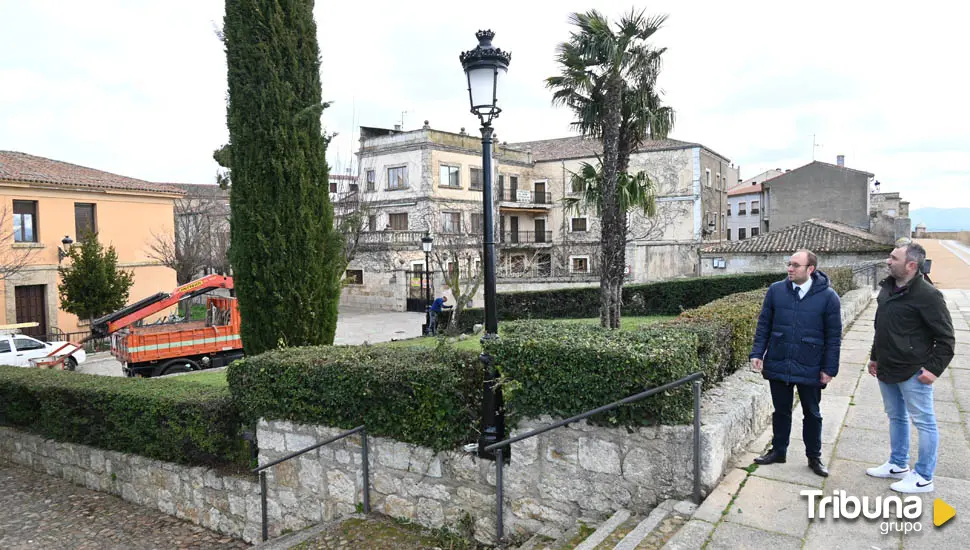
column 620, row 532
column 604, row 530
column 644, row 528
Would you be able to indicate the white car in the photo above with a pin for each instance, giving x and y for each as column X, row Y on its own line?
column 19, row 349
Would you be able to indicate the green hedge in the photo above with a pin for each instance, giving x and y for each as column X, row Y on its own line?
column 740, row 313
column 563, row 369
column 660, row 298
column 164, row 419
column 427, row 397
column 840, row 279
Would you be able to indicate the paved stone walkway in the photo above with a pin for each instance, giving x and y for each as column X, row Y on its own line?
column 763, row 509
column 38, row 511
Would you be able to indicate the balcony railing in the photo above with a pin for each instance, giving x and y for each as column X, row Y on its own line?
column 543, row 271
column 519, row 195
column 391, row 237
column 518, row 237
column 742, row 212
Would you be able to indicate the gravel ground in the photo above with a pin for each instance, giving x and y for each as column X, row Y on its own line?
column 38, row 511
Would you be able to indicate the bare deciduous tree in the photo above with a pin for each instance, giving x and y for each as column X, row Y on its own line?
column 197, row 239
column 12, row 259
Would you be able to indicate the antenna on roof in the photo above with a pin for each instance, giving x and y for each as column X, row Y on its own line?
column 814, row 146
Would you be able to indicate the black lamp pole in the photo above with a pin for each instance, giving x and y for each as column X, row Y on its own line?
column 426, row 243
column 484, row 66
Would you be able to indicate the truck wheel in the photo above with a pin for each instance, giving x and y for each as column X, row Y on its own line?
column 179, row 365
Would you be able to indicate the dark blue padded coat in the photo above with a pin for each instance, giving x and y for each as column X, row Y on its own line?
column 799, row 338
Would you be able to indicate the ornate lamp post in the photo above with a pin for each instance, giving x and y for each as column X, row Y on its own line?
column 426, row 242
column 484, row 67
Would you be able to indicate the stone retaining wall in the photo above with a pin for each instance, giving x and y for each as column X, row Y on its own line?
column 553, row 479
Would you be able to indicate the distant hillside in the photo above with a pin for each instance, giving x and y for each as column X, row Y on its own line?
column 941, row 219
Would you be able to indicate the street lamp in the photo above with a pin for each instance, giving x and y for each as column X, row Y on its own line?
column 426, row 243
column 484, row 67
column 63, row 252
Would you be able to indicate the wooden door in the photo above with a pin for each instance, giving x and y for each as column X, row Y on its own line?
column 31, row 305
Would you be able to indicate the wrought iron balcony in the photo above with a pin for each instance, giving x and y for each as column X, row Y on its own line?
column 524, row 196
column 525, row 237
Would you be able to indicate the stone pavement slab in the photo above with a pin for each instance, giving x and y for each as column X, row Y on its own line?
column 955, row 534
column 771, row 506
column 731, row 536
column 38, row 511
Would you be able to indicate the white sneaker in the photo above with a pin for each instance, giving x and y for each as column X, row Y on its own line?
column 912, row 483
column 888, row 470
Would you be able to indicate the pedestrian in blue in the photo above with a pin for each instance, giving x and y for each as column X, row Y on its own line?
column 436, row 307
column 797, row 345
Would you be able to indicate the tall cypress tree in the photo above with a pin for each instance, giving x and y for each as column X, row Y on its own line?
column 284, row 250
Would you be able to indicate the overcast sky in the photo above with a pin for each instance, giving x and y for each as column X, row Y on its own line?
column 138, row 87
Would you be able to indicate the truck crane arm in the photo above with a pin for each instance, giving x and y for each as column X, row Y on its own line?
column 137, row 311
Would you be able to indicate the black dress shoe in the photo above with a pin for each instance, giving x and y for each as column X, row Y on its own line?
column 816, row 465
column 771, row 457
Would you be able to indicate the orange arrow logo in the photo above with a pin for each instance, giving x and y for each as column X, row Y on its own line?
column 942, row 512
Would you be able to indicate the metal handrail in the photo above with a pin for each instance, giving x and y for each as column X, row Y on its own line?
column 497, row 447
column 262, row 472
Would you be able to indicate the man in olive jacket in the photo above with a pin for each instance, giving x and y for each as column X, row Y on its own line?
column 797, row 345
column 912, row 347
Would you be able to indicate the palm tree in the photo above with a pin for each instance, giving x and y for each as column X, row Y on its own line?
column 608, row 79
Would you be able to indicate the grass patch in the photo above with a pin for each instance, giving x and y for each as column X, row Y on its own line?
column 205, row 378
column 382, row 533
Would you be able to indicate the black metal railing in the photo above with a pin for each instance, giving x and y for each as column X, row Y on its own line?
column 535, row 197
column 544, row 270
column 497, row 447
column 516, row 237
column 364, row 464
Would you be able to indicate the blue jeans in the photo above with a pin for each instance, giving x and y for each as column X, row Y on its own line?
column 432, row 323
column 911, row 399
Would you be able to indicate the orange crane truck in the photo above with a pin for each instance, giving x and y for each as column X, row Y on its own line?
column 160, row 349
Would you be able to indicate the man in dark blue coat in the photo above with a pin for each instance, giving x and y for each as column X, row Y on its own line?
column 797, row 345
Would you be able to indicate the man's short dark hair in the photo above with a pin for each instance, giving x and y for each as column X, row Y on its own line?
column 915, row 253
column 812, row 258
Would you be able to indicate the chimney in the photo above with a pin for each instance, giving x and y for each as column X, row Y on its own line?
column 397, row 127
column 840, row 161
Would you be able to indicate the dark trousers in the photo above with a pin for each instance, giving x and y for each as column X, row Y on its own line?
column 782, row 397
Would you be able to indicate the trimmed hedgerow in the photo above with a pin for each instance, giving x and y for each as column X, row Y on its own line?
column 564, row 369
column 164, row 419
column 740, row 313
column 427, row 397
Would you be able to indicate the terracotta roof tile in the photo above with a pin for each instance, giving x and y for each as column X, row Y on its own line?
column 819, row 236
column 744, row 190
column 21, row 167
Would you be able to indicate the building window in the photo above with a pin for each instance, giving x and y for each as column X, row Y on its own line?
column 729, row 208
column 450, row 222
column 452, row 269
column 397, row 177
column 476, row 223
column 501, row 182
column 371, row 180
column 577, row 186
column 475, row 175
column 25, row 221
column 398, row 222
column 742, row 208
column 355, row 277
column 741, row 235
column 755, row 207
column 729, row 234
column 708, row 175
column 579, row 264
column 717, row 180
column 754, row 231
column 450, row 176
column 333, row 187
column 84, row 220
column 513, row 182
column 577, row 225
column 372, row 223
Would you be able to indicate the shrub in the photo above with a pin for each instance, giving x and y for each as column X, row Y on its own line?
column 713, row 346
column 563, row 369
column 430, row 397
column 740, row 313
column 158, row 418
column 840, row 279
column 660, row 298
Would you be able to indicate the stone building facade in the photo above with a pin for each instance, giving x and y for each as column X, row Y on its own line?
column 428, row 181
